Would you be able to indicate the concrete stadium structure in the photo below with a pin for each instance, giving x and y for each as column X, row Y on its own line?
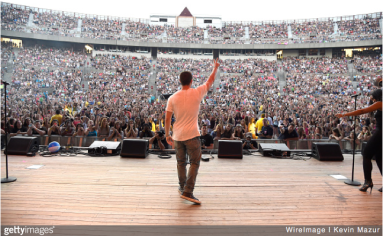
column 288, row 50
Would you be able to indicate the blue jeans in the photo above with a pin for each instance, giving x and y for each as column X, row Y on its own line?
column 193, row 148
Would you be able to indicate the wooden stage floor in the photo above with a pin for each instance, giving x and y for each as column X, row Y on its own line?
column 256, row 190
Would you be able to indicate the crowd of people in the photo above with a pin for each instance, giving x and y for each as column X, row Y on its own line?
column 36, row 68
column 49, row 19
column 309, row 31
column 101, row 29
column 315, row 65
column 12, row 18
column 115, row 102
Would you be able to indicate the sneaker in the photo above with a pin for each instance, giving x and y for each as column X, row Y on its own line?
column 180, row 190
column 190, row 197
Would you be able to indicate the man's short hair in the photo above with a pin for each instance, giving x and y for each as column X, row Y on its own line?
column 186, row 78
column 263, row 115
column 204, row 125
column 292, row 124
column 57, row 112
column 161, row 133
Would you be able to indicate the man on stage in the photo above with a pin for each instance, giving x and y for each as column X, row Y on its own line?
column 185, row 104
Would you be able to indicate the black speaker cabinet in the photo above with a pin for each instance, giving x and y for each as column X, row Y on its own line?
column 104, row 148
column 230, row 149
column 135, row 148
column 274, row 149
column 20, row 145
column 327, row 152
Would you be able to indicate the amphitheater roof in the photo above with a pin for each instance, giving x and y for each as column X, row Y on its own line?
column 185, row 12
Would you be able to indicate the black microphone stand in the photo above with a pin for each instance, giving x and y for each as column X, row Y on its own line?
column 6, row 179
column 32, row 109
column 348, row 181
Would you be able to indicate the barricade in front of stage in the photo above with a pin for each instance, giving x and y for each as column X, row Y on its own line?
column 345, row 145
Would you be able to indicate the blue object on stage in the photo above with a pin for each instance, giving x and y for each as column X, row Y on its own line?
column 54, row 147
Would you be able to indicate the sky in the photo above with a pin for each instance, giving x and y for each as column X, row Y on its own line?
column 255, row 10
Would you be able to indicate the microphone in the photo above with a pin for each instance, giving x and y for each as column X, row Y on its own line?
column 355, row 95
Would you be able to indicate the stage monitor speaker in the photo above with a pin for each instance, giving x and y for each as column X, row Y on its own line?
column 19, row 145
column 215, row 53
column 230, row 149
column 327, row 151
column 135, row 148
column 104, row 148
column 274, row 149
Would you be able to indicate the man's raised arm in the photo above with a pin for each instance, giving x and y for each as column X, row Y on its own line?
column 211, row 79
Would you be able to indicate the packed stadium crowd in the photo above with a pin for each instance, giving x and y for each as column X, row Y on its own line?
column 56, row 20
column 12, row 18
column 16, row 19
column 115, row 103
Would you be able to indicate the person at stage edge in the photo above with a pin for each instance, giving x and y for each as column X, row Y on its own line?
column 185, row 104
column 266, row 131
column 259, row 124
column 159, row 141
column 290, row 133
column 374, row 144
column 248, row 143
column 206, row 139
